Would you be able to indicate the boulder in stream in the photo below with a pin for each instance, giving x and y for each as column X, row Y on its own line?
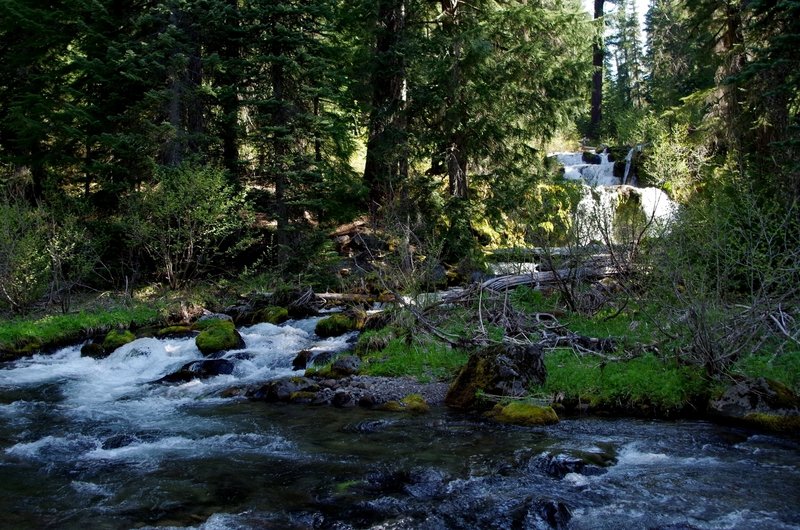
column 498, row 370
column 217, row 335
column 199, row 370
column 762, row 403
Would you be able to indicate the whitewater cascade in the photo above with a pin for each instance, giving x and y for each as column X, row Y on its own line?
column 610, row 207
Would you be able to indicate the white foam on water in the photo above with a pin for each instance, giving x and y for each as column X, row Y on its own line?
column 576, row 479
column 185, row 447
column 53, row 447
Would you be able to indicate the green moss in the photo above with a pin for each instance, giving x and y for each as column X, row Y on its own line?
column 302, row 396
column 334, row 325
column 272, row 315
column 173, row 330
column 773, row 422
column 522, row 413
column 413, row 403
column 218, row 336
column 116, row 338
column 344, row 487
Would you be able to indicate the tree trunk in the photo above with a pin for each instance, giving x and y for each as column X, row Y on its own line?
column 455, row 112
column 387, row 160
column 598, row 52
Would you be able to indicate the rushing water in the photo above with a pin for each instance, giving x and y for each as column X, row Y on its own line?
column 95, row 444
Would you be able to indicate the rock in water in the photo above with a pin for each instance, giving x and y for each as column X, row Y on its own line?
column 501, row 370
column 761, row 402
column 217, row 335
column 199, row 370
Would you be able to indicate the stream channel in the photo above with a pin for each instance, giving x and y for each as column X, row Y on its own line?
column 92, row 443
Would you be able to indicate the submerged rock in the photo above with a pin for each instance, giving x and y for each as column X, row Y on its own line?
column 283, row 390
column 520, row 413
column 546, row 513
column 501, row 370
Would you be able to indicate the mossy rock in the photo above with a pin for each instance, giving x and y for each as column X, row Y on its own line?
column 498, row 370
column 302, row 396
column 521, row 413
column 93, row 350
column 116, row 338
column 413, row 403
column 211, row 320
column 272, row 315
column 773, row 422
column 218, row 337
column 335, row 325
column 173, row 330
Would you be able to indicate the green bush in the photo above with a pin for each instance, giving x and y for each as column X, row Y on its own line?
column 24, row 260
column 182, row 219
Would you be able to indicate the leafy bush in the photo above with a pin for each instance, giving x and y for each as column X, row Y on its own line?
column 184, row 217
column 24, row 260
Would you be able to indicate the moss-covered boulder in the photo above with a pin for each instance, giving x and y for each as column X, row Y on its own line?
column 335, row 325
column 345, row 366
column 218, row 336
column 413, row 403
column 272, row 315
column 521, row 413
column 761, row 403
column 116, row 338
column 499, row 370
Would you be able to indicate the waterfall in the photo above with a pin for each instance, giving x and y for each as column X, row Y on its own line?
column 611, row 207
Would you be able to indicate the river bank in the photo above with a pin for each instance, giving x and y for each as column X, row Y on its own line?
column 421, row 369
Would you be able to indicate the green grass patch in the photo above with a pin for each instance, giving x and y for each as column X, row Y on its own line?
column 784, row 367
column 643, row 381
column 523, row 298
column 426, row 361
column 56, row 329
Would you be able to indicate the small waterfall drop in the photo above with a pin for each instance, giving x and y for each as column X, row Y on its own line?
column 611, row 206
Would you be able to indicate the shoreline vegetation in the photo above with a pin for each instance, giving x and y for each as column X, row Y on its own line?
column 613, row 367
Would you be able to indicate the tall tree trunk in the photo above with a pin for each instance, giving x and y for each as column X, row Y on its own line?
column 455, row 112
column 387, row 160
column 280, row 148
column 598, row 52
column 229, row 99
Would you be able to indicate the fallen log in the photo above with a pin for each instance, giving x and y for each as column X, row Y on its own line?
column 356, row 298
column 537, row 279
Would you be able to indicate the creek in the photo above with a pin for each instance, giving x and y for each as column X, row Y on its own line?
column 94, row 443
